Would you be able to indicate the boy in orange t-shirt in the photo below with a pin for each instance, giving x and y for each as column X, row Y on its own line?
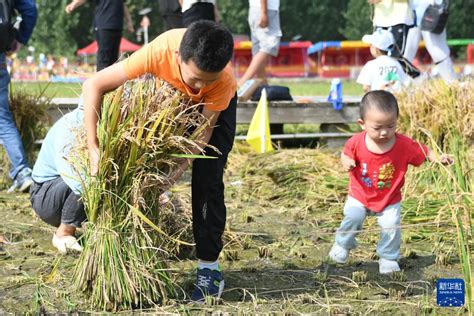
column 196, row 61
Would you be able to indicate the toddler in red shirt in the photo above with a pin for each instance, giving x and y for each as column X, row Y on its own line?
column 377, row 159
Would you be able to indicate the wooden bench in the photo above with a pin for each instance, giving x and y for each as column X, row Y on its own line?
column 280, row 112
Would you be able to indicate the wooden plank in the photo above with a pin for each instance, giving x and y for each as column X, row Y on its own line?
column 291, row 112
column 280, row 112
column 302, row 135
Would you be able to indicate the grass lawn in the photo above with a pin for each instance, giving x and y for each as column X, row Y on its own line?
column 300, row 87
column 310, row 87
column 50, row 89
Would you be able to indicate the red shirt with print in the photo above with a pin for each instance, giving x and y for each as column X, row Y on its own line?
column 377, row 179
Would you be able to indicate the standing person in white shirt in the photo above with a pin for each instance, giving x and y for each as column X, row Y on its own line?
column 436, row 44
column 265, row 31
column 384, row 72
column 195, row 10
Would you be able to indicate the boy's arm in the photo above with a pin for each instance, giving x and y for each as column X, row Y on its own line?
column 74, row 5
column 366, row 88
column 93, row 90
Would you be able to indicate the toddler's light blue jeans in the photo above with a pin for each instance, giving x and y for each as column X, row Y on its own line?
column 355, row 212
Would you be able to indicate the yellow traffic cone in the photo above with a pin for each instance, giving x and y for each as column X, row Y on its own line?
column 258, row 135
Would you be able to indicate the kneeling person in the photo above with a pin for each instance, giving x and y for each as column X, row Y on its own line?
column 55, row 192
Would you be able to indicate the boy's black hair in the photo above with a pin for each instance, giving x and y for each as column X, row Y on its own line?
column 381, row 100
column 208, row 44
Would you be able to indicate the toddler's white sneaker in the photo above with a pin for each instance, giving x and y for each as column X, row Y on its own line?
column 388, row 266
column 339, row 254
column 66, row 243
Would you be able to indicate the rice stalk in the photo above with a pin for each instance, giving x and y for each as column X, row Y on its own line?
column 442, row 116
column 128, row 240
column 30, row 115
column 291, row 178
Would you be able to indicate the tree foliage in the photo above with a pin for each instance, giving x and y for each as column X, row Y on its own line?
column 461, row 20
column 358, row 17
column 56, row 32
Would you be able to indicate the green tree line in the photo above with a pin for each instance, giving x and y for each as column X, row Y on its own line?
column 60, row 33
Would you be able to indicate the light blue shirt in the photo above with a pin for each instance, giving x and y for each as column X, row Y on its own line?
column 55, row 158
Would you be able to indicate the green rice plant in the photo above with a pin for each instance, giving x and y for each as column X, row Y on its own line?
column 395, row 294
column 399, row 276
column 144, row 132
column 357, row 295
column 359, row 276
column 264, row 252
column 246, row 242
column 249, row 269
column 441, row 116
column 231, row 255
column 410, row 254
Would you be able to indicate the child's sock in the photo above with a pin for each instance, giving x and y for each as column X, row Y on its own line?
column 208, row 265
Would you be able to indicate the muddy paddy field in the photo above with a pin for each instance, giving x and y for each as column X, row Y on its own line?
column 283, row 209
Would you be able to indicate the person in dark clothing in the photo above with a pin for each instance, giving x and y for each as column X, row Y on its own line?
column 170, row 11
column 108, row 25
column 195, row 10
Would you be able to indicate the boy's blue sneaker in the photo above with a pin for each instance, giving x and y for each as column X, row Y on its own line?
column 208, row 283
column 22, row 181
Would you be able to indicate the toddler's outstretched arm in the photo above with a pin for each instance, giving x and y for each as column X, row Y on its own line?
column 347, row 163
column 444, row 159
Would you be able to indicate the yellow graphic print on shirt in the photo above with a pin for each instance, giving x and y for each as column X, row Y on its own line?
column 386, row 172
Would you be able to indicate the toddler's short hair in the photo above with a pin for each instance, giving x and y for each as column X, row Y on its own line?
column 381, row 100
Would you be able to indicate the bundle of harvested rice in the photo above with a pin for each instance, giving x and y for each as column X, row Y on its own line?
column 143, row 132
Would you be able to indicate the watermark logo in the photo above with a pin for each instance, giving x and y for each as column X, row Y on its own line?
column 450, row 292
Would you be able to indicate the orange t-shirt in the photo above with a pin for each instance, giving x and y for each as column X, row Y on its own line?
column 160, row 58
